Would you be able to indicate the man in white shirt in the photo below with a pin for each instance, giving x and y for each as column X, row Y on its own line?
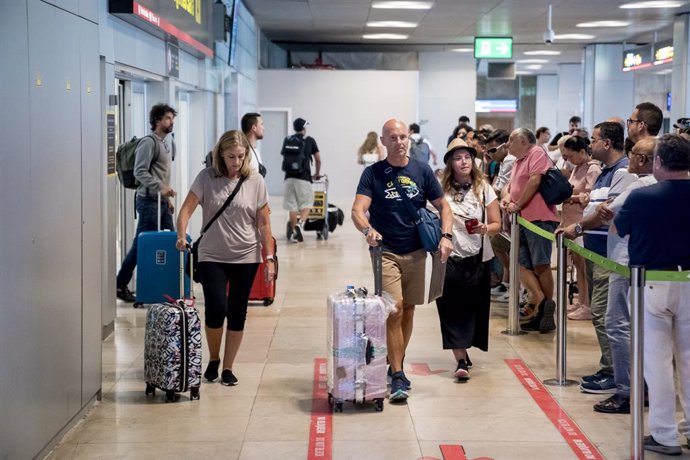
column 253, row 127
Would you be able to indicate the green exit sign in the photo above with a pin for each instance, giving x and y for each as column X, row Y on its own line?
column 493, row 48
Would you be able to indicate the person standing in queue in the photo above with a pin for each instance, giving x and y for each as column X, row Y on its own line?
column 230, row 250
column 389, row 224
column 463, row 309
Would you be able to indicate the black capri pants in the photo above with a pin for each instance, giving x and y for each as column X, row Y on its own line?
column 233, row 305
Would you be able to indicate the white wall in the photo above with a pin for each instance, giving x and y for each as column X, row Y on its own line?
column 447, row 89
column 341, row 108
column 547, row 103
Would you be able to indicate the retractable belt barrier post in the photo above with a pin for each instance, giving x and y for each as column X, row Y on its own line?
column 561, row 319
column 637, row 281
column 514, row 288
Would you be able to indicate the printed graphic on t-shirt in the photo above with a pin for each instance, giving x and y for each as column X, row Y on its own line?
column 408, row 185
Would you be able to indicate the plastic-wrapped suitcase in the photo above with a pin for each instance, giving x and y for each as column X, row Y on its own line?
column 172, row 345
column 357, row 348
column 156, row 265
column 262, row 291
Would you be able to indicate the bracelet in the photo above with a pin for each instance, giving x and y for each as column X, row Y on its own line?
column 270, row 258
column 447, row 236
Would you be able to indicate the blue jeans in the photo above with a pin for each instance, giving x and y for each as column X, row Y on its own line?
column 618, row 331
column 147, row 210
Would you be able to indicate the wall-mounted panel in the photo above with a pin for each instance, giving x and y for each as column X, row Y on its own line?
column 55, row 207
column 15, row 241
column 92, row 170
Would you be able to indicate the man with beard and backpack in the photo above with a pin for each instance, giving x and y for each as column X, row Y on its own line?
column 154, row 154
column 299, row 151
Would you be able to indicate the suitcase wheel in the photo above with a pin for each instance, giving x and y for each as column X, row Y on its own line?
column 137, row 305
column 194, row 394
column 267, row 301
column 379, row 404
column 338, row 407
column 171, row 396
column 150, row 390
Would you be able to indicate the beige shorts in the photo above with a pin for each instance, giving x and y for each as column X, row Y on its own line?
column 298, row 195
column 403, row 276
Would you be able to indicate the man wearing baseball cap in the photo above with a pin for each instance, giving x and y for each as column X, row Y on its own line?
column 299, row 152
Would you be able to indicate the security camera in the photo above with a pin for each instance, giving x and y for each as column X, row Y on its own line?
column 549, row 36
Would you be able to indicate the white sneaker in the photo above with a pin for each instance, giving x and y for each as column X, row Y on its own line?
column 502, row 299
column 500, row 289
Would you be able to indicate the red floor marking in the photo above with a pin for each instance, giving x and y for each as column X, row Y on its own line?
column 451, row 452
column 423, row 369
column 576, row 439
column 321, row 429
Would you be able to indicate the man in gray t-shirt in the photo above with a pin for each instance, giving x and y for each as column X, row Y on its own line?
column 152, row 169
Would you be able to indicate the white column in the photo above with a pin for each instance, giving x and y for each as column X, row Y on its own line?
column 569, row 94
column 608, row 91
column 680, row 96
column 547, row 103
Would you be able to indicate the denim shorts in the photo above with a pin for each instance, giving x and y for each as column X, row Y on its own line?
column 534, row 249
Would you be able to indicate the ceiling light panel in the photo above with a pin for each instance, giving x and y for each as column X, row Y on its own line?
column 532, row 61
column 463, row 50
column 603, row 24
column 542, row 53
column 402, row 5
column 385, row 36
column 574, row 37
column 393, row 24
column 660, row 4
column 534, row 66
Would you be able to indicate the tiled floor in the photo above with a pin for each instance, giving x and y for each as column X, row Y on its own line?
column 267, row 415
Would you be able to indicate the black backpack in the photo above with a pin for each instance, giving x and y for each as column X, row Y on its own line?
column 294, row 155
column 419, row 150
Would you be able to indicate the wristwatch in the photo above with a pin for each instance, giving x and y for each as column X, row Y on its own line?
column 578, row 228
column 271, row 258
column 447, row 235
column 365, row 230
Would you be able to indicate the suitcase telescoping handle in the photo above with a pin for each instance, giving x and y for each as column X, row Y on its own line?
column 191, row 278
column 377, row 252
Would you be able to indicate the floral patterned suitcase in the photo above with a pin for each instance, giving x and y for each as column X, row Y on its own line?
column 172, row 347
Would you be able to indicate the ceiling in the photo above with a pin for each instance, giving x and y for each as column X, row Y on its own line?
column 339, row 25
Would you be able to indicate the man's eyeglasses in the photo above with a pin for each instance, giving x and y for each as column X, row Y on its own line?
column 630, row 121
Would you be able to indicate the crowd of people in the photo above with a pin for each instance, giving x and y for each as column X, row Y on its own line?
column 623, row 206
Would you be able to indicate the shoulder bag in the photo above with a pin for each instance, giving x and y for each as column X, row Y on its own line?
column 428, row 224
column 555, row 187
column 194, row 252
column 261, row 167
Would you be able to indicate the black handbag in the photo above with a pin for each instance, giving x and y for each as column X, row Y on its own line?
column 262, row 168
column 468, row 271
column 554, row 186
column 428, row 224
column 194, row 251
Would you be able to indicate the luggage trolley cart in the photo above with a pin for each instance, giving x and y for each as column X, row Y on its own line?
column 318, row 215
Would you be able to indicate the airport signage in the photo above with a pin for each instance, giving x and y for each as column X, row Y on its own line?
column 188, row 21
column 493, row 48
column 648, row 56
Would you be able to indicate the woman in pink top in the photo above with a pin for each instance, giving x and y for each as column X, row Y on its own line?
column 576, row 150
